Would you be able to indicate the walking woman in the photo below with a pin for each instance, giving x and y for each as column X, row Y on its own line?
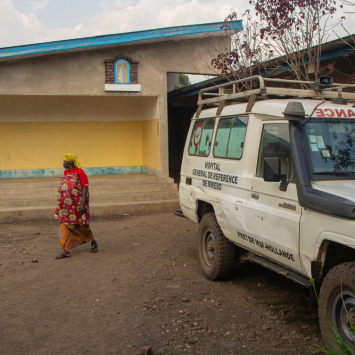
column 73, row 208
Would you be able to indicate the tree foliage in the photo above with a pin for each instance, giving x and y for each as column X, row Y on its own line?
column 290, row 32
column 184, row 80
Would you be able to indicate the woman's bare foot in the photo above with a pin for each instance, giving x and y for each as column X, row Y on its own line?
column 65, row 254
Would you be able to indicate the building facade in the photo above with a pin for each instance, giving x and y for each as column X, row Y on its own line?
column 102, row 98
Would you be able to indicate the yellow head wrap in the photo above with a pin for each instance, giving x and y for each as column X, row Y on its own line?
column 73, row 158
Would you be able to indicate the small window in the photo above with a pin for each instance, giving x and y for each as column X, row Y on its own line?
column 275, row 143
column 122, row 72
column 201, row 137
column 230, row 137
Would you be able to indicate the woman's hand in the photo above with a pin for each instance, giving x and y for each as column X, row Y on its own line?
column 83, row 200
column 82, row 210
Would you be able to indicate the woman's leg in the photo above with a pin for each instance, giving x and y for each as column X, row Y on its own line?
column 93, row 246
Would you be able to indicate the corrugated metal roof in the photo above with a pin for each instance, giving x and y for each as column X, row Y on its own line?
column 330, row 50
column 148, row 36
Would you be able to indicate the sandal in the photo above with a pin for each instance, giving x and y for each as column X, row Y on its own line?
column 93, row 246
column 66, row 254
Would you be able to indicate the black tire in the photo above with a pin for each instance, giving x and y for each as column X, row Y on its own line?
column 333, row 306
column 215, row 252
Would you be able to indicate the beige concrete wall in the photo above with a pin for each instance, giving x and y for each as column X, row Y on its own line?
column 83, row 74
column 31, row 108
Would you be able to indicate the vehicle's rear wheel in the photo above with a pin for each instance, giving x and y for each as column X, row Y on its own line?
column 216, row 253
column 337, row 300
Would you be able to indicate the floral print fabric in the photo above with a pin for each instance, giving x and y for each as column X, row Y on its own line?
column 71, row 238
column 69, row 200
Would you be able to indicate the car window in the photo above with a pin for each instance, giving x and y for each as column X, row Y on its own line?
column 275, row 143
column 331, row 145
column 230, row 136
column 201, row 137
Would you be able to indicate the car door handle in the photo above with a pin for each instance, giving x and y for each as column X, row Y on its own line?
column 255, row 196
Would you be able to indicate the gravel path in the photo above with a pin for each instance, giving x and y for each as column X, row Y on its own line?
column 144, row 288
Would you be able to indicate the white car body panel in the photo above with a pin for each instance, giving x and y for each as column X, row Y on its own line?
column 291, row 235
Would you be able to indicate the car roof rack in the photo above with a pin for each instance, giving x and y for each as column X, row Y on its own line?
column 267, row 88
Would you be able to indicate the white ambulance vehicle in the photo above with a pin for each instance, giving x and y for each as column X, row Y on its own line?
column 269, row 175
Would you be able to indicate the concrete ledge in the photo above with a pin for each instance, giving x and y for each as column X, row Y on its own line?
column 11, row 215
column 123, row 87
column 150, row 171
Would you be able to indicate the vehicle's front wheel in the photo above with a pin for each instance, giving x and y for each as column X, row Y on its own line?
column 216, row 253
column 337, row 301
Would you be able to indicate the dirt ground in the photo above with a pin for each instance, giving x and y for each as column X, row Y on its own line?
column 143, row 288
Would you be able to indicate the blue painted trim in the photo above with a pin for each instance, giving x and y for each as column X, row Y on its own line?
column 331, row 54
column 129, row 70
column 335, row 53
column 100, row 41
column 111, row 170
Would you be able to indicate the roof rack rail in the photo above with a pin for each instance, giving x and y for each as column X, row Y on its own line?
column 266, row 88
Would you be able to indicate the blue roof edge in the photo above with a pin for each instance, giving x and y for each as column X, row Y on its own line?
column 127, row 37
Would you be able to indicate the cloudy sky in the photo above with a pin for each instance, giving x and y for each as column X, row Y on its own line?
column 33, row 21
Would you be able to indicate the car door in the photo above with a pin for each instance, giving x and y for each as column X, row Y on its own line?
column 273, row 216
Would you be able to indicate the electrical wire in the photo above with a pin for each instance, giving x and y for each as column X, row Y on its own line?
column 321, row 103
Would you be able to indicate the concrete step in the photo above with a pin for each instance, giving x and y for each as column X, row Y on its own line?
column 103, row 180
column 8, row 215
column 36, row 193
column 109, row 195
column 107, row 198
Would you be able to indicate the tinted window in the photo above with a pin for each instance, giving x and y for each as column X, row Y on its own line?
column 201, row 137
column 275, row 143
column 230, row 137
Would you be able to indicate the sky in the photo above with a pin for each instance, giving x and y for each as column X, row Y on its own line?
column 34, row 21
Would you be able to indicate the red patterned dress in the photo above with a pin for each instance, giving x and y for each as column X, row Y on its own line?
column 74, row 227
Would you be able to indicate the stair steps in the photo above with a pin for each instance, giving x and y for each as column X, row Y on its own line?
column 28, row 199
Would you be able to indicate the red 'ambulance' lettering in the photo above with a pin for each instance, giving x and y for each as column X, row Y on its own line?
column 319, row 112
column 330, row 114
column 340, row 113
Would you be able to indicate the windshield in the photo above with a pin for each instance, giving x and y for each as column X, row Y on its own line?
column 331, row 146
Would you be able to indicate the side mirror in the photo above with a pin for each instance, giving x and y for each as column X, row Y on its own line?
column 272, row 169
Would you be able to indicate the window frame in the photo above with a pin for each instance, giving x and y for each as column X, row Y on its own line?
column 215, row 137
column 291, row 156
column 129, row 71
column 192, row 133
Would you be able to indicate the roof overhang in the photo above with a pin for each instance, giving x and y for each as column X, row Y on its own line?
column 130, row 38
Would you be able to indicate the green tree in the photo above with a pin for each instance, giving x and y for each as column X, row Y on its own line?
column 184, row 80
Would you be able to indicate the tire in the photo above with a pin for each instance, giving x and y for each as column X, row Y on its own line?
column 340, row 278
column 215, row 252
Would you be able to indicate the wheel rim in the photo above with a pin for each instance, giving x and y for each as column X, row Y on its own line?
column 343, row 308
column 208, row 247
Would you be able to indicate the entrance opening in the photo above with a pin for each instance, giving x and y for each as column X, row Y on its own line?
column 182, row 104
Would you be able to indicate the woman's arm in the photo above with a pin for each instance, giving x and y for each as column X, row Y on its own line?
column 83, row 200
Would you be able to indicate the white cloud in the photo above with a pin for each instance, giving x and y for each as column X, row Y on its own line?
column 35, row 5
column 17, row 28
column 148, row 14
column 116, row 16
